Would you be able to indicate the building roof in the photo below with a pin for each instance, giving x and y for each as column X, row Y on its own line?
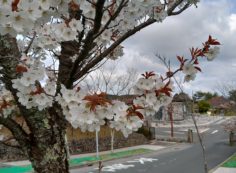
column 181, row 97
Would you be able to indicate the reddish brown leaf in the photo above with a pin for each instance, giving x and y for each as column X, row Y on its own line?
column 196, row 61
column 148, row 74
column 14, row 5
column 21, row 68
column 133, row 111
column 212, row 41
column 180, row 59
column 4, row 105
column 38, row 90
column 97, row 99
column 198, row 68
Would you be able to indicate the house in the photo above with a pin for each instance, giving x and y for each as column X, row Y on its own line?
column 180, row 107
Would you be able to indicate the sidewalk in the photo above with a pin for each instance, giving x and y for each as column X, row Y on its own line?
column 228, row 166
column 84, row 159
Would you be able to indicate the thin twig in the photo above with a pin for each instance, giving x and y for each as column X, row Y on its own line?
column 193, row 118
column 30, row 44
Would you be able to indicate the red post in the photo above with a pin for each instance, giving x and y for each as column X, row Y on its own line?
column 170, row 111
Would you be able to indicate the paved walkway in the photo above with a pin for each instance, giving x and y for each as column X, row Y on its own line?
column 224, row 170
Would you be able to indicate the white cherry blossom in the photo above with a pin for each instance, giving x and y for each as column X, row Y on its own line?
column 189, row 69
column 212, row 53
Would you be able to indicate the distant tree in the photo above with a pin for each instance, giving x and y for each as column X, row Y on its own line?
column 225, row 88
column 110, row 81
column 199, row 95
column 204, row 106
column 232, row 95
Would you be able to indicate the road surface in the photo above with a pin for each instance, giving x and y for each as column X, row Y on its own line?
column 184, row 158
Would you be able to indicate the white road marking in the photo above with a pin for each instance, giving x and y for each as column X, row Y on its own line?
column 174, row 132
column 215, row 131
column 203, row 130
column 194, row 130
column 221, row 121
column 142, row 160
column 115, row 167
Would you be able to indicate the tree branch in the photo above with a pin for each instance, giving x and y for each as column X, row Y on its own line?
column 81, row 72
column 181, row 10
column 18, row 132
column 88, row 41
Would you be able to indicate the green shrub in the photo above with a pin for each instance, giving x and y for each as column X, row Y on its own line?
column 204, row 106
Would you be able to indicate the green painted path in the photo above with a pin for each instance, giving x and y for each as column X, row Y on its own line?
column 81, row 160
column 231, row 163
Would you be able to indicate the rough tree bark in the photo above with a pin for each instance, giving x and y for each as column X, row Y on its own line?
column 44, row 143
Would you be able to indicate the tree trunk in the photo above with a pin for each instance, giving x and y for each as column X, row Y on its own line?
column 44, row 140
column 50, row 156
column 48, row 147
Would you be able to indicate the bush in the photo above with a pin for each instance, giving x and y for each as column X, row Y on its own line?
column 204, row 106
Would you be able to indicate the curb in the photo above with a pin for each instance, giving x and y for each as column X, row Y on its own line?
column 219, row 165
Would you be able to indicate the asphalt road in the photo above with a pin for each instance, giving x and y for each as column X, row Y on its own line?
column 185, row 158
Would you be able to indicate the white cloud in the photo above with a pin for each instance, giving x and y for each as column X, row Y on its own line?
column 232, row 22
column 178, row 33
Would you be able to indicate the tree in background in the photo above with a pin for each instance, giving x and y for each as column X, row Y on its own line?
column 199, row 95
column 109, row 81
column 232, row 95
column 203, row 106
column 225, row 88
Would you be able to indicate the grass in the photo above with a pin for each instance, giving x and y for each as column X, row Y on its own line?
column 231, row 163
column 81, row 161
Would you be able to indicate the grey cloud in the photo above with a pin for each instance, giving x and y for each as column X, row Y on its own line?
column 178, row 33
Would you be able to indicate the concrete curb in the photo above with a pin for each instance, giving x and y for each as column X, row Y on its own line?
column 219, row 165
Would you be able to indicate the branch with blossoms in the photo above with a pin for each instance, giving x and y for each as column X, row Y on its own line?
column 191, row 66
column 152, row 90
column 208, row 52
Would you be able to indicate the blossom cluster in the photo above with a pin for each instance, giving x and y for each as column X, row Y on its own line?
column 54, row 21
column 36, row 87
column 89, row 112
column 7, row 105
column 30, row 91
column 153, row 93
column 191, row 67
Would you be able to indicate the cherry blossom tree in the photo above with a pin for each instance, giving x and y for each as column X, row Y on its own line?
column 46, row 46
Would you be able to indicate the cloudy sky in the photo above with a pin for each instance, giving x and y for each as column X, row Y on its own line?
column 178, row 33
